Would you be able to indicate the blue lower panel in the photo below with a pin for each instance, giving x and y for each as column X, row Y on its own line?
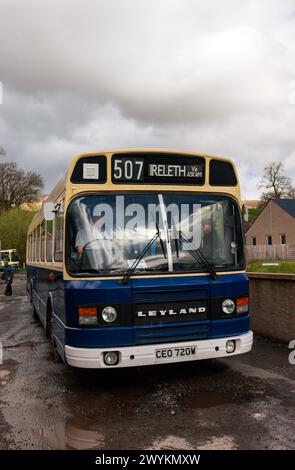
column 230, row 327
column 152, row 334
column 99, row 337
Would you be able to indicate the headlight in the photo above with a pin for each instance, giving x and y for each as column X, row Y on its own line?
column 228, row 306
column 109, row 314
column 230, row 346
column 111, row 358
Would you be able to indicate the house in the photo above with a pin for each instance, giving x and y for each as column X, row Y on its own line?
column 273, row 231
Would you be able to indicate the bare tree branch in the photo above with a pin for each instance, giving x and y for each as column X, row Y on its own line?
column 18, row 187
column 276, row 185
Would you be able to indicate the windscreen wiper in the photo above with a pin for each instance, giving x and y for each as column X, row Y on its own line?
column 197, row 254
column 141, row 255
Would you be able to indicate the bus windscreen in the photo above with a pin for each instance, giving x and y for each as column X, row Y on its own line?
column 107, row 232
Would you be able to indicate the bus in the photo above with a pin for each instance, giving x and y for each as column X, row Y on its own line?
column 137, row 258
column 11, row 257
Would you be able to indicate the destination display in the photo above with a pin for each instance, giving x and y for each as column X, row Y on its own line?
column 158, row 169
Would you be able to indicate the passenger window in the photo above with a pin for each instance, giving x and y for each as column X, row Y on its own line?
column 42, row 239
column 49, row 230
column 59, row 234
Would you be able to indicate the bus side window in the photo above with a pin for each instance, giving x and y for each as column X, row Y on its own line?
column 42, row 240
column 38, row 243
column 34, row 244
column 59, row 235
column 49, row 227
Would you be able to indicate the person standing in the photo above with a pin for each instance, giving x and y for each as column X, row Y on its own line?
column 8, row 277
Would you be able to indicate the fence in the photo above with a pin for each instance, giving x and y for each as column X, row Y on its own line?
column 270, row 252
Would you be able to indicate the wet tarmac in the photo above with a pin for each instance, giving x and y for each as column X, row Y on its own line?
column 243, row 402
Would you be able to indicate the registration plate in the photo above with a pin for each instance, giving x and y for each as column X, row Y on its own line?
column 176, row 353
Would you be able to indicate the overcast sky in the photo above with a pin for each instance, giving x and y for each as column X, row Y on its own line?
column 214, row 76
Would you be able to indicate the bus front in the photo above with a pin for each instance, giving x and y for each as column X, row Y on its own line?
column 154, row 260
column 9, row 256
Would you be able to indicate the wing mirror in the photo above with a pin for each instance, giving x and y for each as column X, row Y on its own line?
column 49, row 210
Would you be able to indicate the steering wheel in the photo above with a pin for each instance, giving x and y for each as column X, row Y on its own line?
column 81, row 261
column 91, row 241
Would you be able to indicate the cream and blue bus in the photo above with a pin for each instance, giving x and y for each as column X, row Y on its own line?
column 10, row 257
column 137, row 258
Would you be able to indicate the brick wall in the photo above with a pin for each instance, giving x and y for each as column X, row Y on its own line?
column 272, row 303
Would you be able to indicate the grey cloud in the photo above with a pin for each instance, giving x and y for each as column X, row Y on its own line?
column 210, row 76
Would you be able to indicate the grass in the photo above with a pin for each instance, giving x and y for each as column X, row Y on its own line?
column 287, row 267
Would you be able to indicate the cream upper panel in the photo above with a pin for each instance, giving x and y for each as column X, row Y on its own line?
column 76, row 188
column 65, row 189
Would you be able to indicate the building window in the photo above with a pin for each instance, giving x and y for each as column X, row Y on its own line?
column 283, row 239
column 268, row 239
column 254, row 243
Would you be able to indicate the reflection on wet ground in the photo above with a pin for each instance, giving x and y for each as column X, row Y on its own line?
column 4, row 376
column 209, row 399
column 73, row 434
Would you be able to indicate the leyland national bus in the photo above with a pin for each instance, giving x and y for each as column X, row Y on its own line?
column 137, row 258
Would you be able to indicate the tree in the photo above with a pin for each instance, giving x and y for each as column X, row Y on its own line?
column 14, row 225
column 18, row 187
column 276, row 185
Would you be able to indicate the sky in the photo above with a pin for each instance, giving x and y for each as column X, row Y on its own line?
column 213, row 77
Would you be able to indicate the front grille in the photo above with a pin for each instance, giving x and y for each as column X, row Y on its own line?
column 167, row 333
column 169, row 293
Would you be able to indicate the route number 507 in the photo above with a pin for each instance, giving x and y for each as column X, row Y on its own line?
column 128, row 170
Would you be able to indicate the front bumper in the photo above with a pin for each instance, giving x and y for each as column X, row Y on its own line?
column 93, row 358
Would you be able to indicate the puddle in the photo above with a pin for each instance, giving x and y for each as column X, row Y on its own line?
column 171, row 443
column 176, row 443
column 259, row 416
column 4, row 376
column 74, row 434
column 219, row 443
column 209, row 399
column 134, row 392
